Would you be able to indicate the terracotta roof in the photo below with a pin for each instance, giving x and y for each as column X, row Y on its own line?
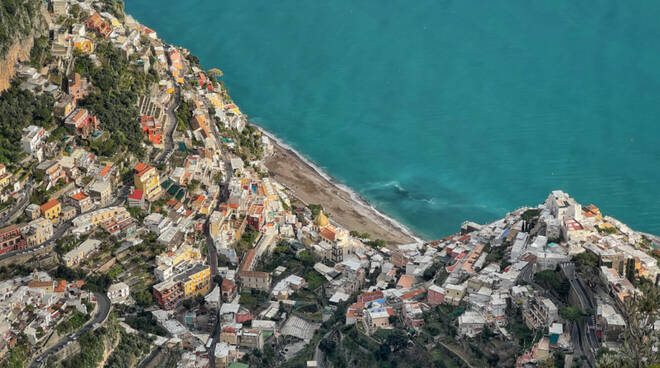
column 105, row 170
column 50, row 204
column 405, row 281
column 61, row 286
column 140, row 166
column 79, row 196
column 412, row 294
column 137, row 195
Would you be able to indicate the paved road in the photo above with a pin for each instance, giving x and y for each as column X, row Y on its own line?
column 587, row 330
column 169, row 135
column 101, row 314
column 18, row 209
column 212, row 254
column 62, row 228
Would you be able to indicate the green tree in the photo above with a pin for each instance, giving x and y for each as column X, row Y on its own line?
column 640, row 337
column 570, row 313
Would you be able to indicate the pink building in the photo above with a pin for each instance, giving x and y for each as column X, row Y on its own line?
column 436, row 295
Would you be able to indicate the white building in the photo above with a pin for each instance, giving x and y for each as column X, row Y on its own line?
column 33, row 140
column 470, row 324
column 118, row 293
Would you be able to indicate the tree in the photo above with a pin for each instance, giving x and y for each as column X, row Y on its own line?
column 397, row 340
column 640, row 336
column 572, row 314
column 328, row 346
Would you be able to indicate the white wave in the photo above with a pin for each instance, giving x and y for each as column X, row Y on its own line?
column 356, row 197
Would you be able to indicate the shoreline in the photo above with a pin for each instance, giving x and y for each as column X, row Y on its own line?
column 346, row 207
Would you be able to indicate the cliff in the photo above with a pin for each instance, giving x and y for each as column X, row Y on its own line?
column 20, row 22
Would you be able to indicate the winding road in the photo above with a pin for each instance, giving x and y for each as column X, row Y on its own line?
column 101, row 314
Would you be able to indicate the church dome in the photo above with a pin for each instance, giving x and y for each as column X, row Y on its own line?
column 321, row 220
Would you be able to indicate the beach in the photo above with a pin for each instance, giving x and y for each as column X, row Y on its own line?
column 310, row 186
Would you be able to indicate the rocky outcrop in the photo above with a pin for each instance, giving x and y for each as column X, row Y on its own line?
column 18, row 51
column 20, row 22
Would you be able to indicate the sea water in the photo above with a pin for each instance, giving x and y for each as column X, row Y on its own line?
column 439, row 111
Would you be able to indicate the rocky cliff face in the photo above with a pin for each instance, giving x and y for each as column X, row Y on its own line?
column 19, row 50
column 20, row 22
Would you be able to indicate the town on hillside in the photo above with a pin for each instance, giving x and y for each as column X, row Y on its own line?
column 140, row 228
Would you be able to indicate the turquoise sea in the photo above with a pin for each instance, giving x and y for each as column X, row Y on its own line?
column 438, row 111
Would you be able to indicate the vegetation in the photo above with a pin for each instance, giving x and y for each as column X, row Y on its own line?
column 130, row 348
column 183, row 116
column 65, row 273
column 144, row 321
column 570, row 313
column 18, row 109
column 360, row 235
column 18, row 19
column 640, row 337
column 74, row 323
column 554, row 281
column 117, row 85
column 316, row 209
column 586, row 262
column 98, row 283
column 17, row 355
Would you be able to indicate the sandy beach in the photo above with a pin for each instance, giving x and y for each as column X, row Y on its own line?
column 310, row 187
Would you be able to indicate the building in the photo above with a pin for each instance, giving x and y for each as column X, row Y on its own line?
column 167, row 294
column 118, row 293
column 60, row 7
column 254, row 280
column 470, row 324
column 51, row 209
column 81, row 201
column 152, row 129
column 136, row 199
column 224, row 354
column 454, row 293
column 98, row 25
column 540, row 312
column 11, row 239
column 39, row 231
column 33, row 211
column 4, row 176
column 610, row 323
column 81, row 252
column 370, row 296
column 101, row 191
column 146, row 179
column 33, row 140
column 377, row 318
column 81, row 122
column 436, row 295
column 195, row 281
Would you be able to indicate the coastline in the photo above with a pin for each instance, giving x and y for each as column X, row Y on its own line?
column 311, row 184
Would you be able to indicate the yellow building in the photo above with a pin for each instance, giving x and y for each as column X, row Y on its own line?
column 84, row 45
column 51, row 209
column 186, row 253
column 4, row 176
column 196, row 281
column 147, row 180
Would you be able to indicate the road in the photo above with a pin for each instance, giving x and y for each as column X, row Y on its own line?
column 171, row 127
column 587, row 331
column 212, row 254
column 101, row 314
column 19, row 207
column 62, row 228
